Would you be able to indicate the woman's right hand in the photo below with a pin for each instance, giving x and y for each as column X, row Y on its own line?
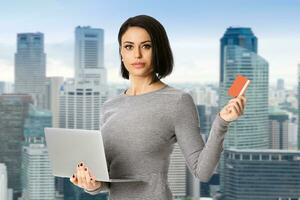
column 84, row 178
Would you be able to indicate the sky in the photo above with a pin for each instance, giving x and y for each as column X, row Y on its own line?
column 194, row 29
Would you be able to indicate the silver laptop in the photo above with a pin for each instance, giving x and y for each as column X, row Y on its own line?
column 68, row 147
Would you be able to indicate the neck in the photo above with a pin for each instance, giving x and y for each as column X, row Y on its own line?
column 140, row 85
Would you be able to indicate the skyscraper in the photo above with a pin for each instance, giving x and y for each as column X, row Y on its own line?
column 280, row 84
column 81, row 98
column 80, row 103
column 242, row 37
column 278, row 131
column 38, row 181
column 251, row 130
column 37, row 178
column 35, row 122
column 30, row 67
column 89, row 54
column 13, row 112
column 239, row 56
column 55, row 84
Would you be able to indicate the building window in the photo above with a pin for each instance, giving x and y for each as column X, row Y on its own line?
column 237, row 156
column 265, row 157
column 90, row 35
column 255, row 157
column 246, row 157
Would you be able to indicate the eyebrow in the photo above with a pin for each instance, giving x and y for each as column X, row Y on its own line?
column 133, row 42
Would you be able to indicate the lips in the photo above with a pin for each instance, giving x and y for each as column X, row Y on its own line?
column 138, row 64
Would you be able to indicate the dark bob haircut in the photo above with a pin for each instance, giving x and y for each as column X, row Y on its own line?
column 162, row 57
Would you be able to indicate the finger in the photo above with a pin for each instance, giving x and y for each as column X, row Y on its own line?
column 80, row 175
column 238, row 102
column 73, row 179
column 244, row 100
column 244, row 103
column 241, row 100
column 92, row 177
column 236, row 109
column 87, row 177
column 79, row 181
column 232, row 108
column 82, row 170
column 92, row 182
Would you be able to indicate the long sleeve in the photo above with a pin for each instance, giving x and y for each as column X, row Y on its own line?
column 201, row 158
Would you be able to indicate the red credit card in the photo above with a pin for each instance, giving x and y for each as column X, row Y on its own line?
column 239, row 86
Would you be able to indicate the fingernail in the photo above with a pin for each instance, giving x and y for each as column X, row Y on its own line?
column 85, row 169
column 91, row 179
column 78, row 165
column 81, row 164
column 73, row 176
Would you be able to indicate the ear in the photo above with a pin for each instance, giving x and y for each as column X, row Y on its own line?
column 121, row 55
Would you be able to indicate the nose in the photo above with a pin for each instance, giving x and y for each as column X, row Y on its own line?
column 137, row 52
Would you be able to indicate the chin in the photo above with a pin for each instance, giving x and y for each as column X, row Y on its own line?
column 139, row 72
column 142, row 74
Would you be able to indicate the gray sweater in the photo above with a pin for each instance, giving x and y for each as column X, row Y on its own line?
column 139, row 133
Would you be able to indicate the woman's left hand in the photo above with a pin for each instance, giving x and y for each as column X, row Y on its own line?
column 234, row 108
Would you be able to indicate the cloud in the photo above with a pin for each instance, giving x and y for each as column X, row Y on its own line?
column 6, row 70
column 6, row 62
column 283, row 55
column 60, row 59
column 196, row 60
column 57, row 67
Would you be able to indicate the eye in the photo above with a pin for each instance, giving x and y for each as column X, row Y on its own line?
column 128, row 47
column 147, row 46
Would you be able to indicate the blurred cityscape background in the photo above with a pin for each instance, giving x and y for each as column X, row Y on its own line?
column 38, row 89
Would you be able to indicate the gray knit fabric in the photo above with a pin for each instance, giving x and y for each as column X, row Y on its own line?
column 139, row 133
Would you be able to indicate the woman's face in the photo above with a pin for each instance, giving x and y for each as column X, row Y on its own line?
column 136, row 52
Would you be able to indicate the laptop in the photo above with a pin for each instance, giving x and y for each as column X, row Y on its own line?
column 68, row 147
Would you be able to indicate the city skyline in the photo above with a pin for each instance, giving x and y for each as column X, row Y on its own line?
column 77, row 103
column 194, row 30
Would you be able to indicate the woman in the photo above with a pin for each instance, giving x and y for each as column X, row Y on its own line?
column 140, row 126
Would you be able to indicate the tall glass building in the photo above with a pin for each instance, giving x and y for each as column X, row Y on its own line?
column 242, row 37
column 251, row 129
column 35, row 123
column 30, row 67
column 89, row 54
column 13, row 112
column 37, row 178
column 239, row 56
column 81, row 98
column 278, row 129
